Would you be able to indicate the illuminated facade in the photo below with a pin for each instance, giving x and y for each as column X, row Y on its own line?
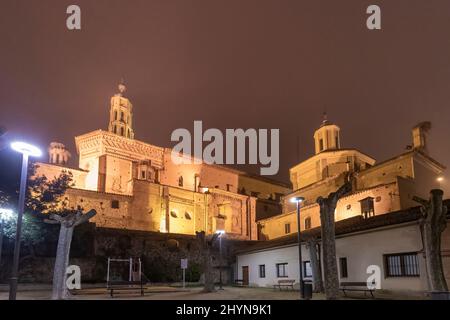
column 376, row 188
column 135, row 185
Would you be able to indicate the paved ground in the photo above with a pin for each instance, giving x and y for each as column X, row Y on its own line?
column 42, row 292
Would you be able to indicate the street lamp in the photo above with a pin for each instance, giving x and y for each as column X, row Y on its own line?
column 220, row 233
column 26, row 150
column 5, row 215
column 299, row 200
column 440, row 179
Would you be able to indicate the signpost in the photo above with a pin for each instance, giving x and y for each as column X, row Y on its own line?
column 184, row 265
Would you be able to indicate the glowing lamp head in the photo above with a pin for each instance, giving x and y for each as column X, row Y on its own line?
column 440, row 179
column 221, row 232
column 6, row 214
column 26, row 148
column 297, row 199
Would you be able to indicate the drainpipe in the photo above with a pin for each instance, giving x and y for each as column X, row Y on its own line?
column 249, row 224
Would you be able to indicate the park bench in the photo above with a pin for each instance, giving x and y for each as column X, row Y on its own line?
column 356, row 286
column 125, row 286
column 284, row 283
column 239, row 283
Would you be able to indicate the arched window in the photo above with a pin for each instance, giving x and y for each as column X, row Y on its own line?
column 129, row 136
column 122, row 132
column 115, row 115
column 121, row 116
column 115, row 129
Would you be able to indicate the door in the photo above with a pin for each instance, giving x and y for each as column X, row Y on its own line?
column 245, row 276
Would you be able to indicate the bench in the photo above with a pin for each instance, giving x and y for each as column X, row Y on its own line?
column 239, row 283
column 356, row 286
column 125, row 286
column 284, row 283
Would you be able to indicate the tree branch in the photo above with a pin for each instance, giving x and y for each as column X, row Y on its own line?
column 423, row 202
column 86, row 217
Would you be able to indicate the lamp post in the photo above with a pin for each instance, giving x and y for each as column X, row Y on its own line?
column 26, row 150
column 298, row 200
column 221, row 233
column 5, row 214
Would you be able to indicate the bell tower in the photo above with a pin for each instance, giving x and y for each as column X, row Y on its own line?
column 121, row 114
column 327, row 137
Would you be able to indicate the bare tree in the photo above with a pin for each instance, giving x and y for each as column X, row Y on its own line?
column 327, row 209
column 315, row 264
column 432, row 224
column 205, row 246
column 67, row 223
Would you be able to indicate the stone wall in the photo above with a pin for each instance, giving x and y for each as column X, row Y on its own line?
column 160, row 254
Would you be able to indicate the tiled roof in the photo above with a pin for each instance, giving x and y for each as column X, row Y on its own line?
column 354, row 224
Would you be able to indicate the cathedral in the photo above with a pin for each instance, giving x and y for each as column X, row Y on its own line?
column 377, row 188
column 135, row 185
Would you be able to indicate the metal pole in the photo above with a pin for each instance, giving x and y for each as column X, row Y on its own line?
column 300, row 251
column 107, row 273
column 184, row 278
column 1, row 239
column 220, row 270
column 15, row 270
column 131, row 270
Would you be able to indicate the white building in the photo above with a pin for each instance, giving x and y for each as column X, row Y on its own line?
column 391, row 242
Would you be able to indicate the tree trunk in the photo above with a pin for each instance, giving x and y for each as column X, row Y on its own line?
column 315, row 266
column 61, row 263
column 209, row 274
column 329, row 254
column 205, row 247
column 327, row 208
column 433, row 224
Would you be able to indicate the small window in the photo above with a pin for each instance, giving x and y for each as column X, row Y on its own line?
column 262, row 270
column 349, row 206
column 401, row 265
column 287, row 228
column 115, row 204
column 121, row 116
column 308, row 223
column 320, row 144
column 282, row 270
column 115, row 115
column 337, row 142
column 187, row 215
column 378, row 199
column 180, row 181
column 343, row 267
column 115, row 130
column 367, row 207
column 122, row 132
column 143, row 175
column 173, row 214
column 307, row 270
